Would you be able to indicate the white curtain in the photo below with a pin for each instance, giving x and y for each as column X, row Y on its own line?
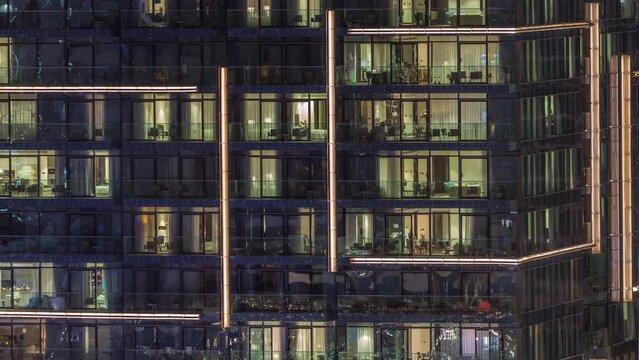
column 191, row 120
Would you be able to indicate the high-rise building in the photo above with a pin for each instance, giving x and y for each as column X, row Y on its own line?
column 318, row 180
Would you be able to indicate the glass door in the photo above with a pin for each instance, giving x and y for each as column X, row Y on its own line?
column 414, row 120
column 83, row 289
column 421, row 234
column 415, row 173
column 472, row 63
column 404, row 67
column 81, row 177
column 300, row 343
column 442, row 234
column 260, row 344
column 82, row 342
column 398, row 234
column 394, row 343
column 474, row 178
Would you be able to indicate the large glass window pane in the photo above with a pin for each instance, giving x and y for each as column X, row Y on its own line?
column 389, row 170
column 81, row 177
column 144, row 121
column 359, row 234
column 80, row 120
column 474, row 177
column 360, row 342
column 444, row 124
column 300, row 234
column 473, row 120
column 445, row 176
column 144, row 232
column 24, row 119
column 24, row 171
column 191, row 120
column 271, row 177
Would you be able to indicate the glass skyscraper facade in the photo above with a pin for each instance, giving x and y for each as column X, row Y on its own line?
column 317, row 179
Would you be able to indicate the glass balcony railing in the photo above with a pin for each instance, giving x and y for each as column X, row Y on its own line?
column 292, row 188
column 434, row 131
column 277, row 75
column 492, row 307
column 441, row 246
column 160, row 301
column 32, row 188
column 165, row 132
column 172, row 245
column 398, row 353
column 169, row 18
column 55, row 132
column 452, row 189
column 291, row 245
column 423, row 75
column 279, row 303
column 419, row 16
column 91, row 299
column 56, row 244
column 277, row 132
column 267, row 17
column 56, row 19
column 176, row 189
column 178, row 75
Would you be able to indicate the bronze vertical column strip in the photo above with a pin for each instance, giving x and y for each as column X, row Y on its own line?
column 614, row 189
column 225, row 316
column 592, row 16
column 626, row 177
column 331, row 151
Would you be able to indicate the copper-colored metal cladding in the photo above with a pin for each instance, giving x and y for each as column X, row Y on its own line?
column 225, row 308
column 331, row 151
column 626, row 177
column 592, row 16
column 615, row 188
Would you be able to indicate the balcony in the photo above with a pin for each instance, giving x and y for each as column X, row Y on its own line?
column 179, row 75
column 57, row 244
column 51, row 188
column 418, row 16
column 57, row 19
column 436, row 246
column 451, row 189
column 278, row 132
column 490, row 308
column 277, row 75
column 424, row 75
column 294, row 189
column 291, row 245
column 433, row 131
column 172, row 245
column 170, row 189
column 185, row 18
column 161, row 301
column 165, row 132
column 53, row 132
column 267, row 17
column 279, row 303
